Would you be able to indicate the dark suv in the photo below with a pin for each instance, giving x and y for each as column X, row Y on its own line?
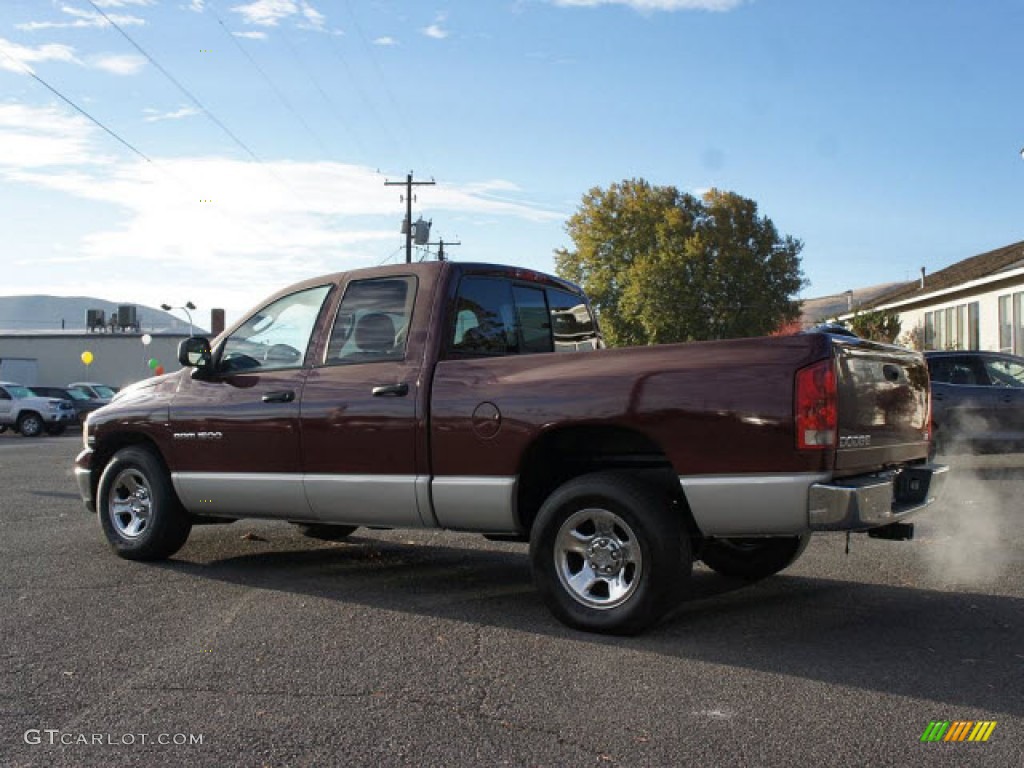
column 978, row 401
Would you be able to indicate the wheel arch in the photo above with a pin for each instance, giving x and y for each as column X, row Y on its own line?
column 110, row 445
column 564, row 453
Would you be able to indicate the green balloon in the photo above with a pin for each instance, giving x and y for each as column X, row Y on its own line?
column 154, row 363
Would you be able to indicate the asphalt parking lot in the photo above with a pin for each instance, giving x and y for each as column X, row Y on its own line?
column 399, row 648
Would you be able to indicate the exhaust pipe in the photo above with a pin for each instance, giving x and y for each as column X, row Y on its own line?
column 893, row 532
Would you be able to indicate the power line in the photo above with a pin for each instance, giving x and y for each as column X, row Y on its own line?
column 380, row 72
column 213, row 118
column 397, row 251
column 156, row 164
column 330, row 102
column 74, row 106
column 188, row 94
column 280, row 94
column 363, row 95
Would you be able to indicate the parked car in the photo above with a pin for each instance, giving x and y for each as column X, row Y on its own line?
column 94, row 391
column 452, row 395
column 978, row 401
column 84, row 405
column 31, row 415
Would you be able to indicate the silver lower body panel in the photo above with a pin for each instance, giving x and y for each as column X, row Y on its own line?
column 750, row 505
column 788, row 505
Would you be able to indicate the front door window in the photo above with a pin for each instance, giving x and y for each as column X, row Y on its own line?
column 276, row 336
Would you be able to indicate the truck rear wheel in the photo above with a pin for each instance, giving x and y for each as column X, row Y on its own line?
column 138, row 509
column 609, row 553
column 752, row 558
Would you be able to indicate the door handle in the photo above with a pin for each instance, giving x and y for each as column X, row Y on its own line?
column 391, row 390
column 282, row 396
column 937, row 396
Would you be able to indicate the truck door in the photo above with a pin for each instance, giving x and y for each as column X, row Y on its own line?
column 361, row 408
column 235, row 431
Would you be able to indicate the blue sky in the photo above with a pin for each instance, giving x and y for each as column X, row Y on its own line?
column 885, row 135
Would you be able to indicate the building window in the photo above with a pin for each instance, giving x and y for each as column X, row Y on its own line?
column 954, row 327
column 1011, row 323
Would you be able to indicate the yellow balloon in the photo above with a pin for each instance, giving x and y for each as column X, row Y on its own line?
column 87, row 357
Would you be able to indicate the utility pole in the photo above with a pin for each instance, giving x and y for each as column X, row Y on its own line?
column 409, row 184
column 440, row 248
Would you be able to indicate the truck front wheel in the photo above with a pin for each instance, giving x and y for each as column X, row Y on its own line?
column 138, row 510
column 610, row 554
column 752, row 558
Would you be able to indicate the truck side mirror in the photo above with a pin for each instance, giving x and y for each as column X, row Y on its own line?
column 194, row 352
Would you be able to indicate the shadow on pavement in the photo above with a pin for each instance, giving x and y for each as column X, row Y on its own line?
column 955, row 648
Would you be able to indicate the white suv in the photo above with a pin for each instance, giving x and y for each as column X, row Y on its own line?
column 30, row 415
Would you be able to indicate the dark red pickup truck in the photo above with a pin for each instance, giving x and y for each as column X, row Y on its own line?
column 480, row 398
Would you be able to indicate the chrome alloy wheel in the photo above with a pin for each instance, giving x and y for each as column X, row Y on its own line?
column 598, row 558
column 130, row 505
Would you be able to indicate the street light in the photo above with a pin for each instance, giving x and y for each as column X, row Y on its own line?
column 188, row 305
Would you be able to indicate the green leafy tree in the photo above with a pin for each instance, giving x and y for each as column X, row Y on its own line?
column 663, row 266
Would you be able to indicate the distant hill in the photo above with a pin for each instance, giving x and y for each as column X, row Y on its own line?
column 52, row 313
column 815, row 311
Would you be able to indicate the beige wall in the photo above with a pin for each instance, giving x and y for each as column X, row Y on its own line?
column 119, row 359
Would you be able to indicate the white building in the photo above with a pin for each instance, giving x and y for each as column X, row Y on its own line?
column 54, row 358
column 977, row 303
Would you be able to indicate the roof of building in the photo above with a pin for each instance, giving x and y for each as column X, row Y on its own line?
column 983, row 265
column 816, row 310
column 82, row 334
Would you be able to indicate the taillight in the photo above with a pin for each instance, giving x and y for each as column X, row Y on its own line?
column 817, row 414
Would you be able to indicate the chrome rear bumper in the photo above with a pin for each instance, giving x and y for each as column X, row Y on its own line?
column 872, row 501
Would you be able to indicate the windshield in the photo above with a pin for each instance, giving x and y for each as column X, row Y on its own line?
column 103, row 391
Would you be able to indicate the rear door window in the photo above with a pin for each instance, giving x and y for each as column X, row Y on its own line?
column 532, row 319
column 494, row 316
column 484, row 322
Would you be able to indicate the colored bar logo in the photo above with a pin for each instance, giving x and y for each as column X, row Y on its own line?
column 958, row 730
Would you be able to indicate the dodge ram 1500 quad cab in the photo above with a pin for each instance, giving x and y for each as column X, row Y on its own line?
column 480, row 398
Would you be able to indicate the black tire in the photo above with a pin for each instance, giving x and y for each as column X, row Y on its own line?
column 138, row 509
column 30, row 424
column 56, row 430
column 752, row 559
column 327, row 532
column 622, row 591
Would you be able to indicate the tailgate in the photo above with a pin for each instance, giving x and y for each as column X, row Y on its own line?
column 883, row 396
